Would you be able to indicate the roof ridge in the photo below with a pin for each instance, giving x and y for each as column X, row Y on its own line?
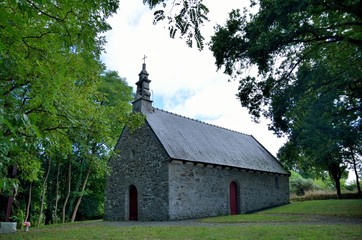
column 196, row 120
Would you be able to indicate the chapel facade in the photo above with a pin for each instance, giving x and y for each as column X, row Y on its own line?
column 175, row 168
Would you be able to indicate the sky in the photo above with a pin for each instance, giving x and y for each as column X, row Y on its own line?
column 184, row 80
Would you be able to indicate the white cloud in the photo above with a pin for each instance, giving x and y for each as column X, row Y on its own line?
column 184, row 78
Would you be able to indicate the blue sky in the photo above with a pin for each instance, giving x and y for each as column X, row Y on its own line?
column 185, row 81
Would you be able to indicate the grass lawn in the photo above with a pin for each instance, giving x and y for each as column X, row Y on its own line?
column 293, row 221
column 306, row 211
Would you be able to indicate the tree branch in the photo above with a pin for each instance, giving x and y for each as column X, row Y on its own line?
column 41, row 35
column 46, row 14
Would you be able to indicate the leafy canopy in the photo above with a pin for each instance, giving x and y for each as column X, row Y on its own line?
column 280, row 37
column 309, row 80
column 50, row 72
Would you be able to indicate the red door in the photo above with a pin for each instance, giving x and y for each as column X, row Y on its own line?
column 233, row 198
column 133, row 204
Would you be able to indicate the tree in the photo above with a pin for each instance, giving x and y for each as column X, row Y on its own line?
column 316, row 132
column 50, row 97
column 308, row 58
column 281, row 36
column 94, row 142
column 319, row 121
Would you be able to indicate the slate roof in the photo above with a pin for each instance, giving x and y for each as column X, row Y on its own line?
column 191, row 140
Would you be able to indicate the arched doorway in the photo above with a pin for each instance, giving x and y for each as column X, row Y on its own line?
column 233, row 198
column 133, row 204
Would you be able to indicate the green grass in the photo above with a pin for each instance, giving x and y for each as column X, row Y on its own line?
column 342, row 208
column 80, row 231
column 285, row 222
column 298, row 212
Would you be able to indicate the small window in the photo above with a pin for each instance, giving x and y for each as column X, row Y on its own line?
column 276, row 182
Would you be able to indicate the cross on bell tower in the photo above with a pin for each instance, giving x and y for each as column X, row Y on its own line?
column 143, row 100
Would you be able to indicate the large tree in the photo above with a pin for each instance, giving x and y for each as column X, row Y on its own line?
column 46, row 50
column 309, row 46
column 320, row 131
column 54, row 110
column 281, row 36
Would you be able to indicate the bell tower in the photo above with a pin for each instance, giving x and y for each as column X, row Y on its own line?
column 143, row 102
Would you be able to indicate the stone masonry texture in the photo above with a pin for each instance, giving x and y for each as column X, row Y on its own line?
column 141, row 162
column 172, row 189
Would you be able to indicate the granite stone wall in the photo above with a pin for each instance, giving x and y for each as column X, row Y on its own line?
column 141, row 162
column 203, row 190
column 171, row 190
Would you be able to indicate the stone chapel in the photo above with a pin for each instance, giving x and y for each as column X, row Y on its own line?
column 174, row 167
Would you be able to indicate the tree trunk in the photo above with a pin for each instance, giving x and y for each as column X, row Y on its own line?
column 56, row 195
column 28, row 204
column 76, row 186
column 336, row 171
column 81, row 195
column 68, row 194
column 9, row 206
column 338, row 188
column 43, row 192
column 357, row 178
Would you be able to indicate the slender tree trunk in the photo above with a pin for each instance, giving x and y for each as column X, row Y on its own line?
column 356, row 173
column 28, row 204
column 338, row 188
column 77, row 185
column 9, row 206
column 43, row 192
column 337, row 181
column 56, row 195
column 81, row 194
column 336, row 171
column 68, row 193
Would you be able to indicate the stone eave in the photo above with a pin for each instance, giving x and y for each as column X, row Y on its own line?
column 205, row 164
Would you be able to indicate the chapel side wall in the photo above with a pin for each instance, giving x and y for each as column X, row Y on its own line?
column 190, row 189
column 263, row 190
column 201, row 191
column 142, row 162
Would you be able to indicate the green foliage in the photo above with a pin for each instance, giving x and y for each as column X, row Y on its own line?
column 57, row 102
column 351, row 186
column 308, row 56
column 287, row 32
column 325, row 183
column 19, row 216
column 49, row 61
column 299, row 185
column 282, row 36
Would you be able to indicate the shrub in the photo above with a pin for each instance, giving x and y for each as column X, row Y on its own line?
column 299, row 185
column 323, row 195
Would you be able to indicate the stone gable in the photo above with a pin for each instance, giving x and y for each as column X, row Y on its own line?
column 142, row 162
